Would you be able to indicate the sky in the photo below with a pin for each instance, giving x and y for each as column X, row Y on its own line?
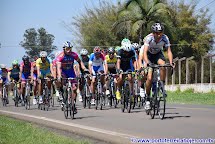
column 18, row 15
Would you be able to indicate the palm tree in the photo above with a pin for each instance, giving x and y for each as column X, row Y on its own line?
column 136, row 16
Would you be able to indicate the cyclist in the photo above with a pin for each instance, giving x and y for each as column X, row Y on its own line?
column 34, row 78
column 13, row 74
column 4, row 79
column 25, row 73
column 111, row 60
column 54, row 73
column 96, row 65
column 123, row 64
column 65, row 67
column 152, row 53
column 43, row 65
column 85, row 59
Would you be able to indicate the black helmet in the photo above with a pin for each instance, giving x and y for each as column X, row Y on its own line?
column 111, row 50
column 157, row 27
column 25, row 58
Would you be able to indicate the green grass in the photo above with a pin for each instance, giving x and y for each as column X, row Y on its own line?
column 18, row 132
column 189, row 97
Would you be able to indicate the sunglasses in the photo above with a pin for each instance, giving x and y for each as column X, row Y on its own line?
column 97, row 53
column 158, row 33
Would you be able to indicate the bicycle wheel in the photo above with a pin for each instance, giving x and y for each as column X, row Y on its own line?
column 123, row 101
column 27, row 98
column 153, row 105
column 97, row 100
column 16, row 96
column 84, row 98
column 66, row 110
column 162, row 108
column 52, row 96
column 4, row 96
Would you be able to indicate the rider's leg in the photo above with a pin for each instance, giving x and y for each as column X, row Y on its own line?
column 162, row 74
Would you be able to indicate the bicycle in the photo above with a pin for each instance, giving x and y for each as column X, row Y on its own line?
column 4, row 95
column 86, row 91
column 158, row 99
column 112, row 89
column 52, row 92
column 126, row 100
column 100, row 96
column 69, row 102
column 45, row 95
column 137, row 98
column 27, row 97
column 16, row 93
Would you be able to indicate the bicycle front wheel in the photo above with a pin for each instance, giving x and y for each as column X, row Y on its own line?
column 162, row 107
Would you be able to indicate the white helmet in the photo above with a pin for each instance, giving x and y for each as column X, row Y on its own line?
column 43, row 54
column 125, row 41
column 135, row 46
column 57, row 53
column 127, row 47
column 67, row 44
column 83, row 52
column 3, row 66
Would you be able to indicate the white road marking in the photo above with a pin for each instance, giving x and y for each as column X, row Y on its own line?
column 127, row 136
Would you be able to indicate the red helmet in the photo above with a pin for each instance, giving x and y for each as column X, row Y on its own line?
column 97, row 49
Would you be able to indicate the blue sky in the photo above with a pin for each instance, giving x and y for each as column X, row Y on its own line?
column 18, row 15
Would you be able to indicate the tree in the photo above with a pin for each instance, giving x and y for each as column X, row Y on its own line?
column 193, row 35
column 36, row 41
column 136, row 17
column 94, row 28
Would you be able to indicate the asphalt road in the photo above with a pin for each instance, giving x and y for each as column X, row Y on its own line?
column 111, row 125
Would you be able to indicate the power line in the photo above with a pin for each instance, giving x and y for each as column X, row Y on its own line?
column 205, row 5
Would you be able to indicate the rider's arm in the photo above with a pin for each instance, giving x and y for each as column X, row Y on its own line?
column 81, row 64
column 32, row 71
column 145, row 56
column 118, row 63
column 170, row 56
column 105, row 66
column 20, row 73
column 59, row 69
column 140, row 57
column 90, row 67
column 8, row 76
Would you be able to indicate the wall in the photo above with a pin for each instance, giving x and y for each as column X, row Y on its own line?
column 204, row 88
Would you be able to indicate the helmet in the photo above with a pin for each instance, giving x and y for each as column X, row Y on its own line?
column 111, row 50
column 135, row 46
column 97, row 49
column 157, row 27
column 67, row 44
column 25, row 58
column 125, row 41
column 43, row 54
column 83, row 52
column 3, row 66
column 52, row 56
column 15, row 62
column 57, row 53
column 117, row 48
column 127, row 47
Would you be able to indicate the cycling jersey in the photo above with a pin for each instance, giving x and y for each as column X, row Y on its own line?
column 3, row 76
column 67, row 62
column 85, row 61
column 155, row 47
column 111, row 63
column 14, row 73
column 97, row 64
column 126, row 58
column 43, row 66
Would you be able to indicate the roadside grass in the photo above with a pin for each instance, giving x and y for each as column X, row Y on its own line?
column 18, row 132
column 189, row 97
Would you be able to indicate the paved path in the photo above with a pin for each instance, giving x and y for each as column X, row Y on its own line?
column 182, row 121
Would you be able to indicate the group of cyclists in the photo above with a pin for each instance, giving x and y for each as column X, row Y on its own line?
column 68, row 64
